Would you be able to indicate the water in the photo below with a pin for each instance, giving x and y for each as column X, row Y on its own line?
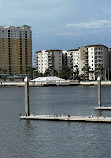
column 43, row 139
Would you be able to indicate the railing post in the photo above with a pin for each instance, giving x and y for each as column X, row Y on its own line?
column 27, row 108
column 99, row 91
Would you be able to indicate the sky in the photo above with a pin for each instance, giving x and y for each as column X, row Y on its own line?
column 60, row 24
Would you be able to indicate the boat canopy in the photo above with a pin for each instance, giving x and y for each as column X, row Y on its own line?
column 48, row 78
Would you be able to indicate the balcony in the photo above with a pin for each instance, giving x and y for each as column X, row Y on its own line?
column 50, row 62
column 98, row 55
column 50, row 59
column 71, row 60
column 50, row 55
column 86, row 59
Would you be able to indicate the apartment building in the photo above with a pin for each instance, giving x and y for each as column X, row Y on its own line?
column 87, row 61
column 95, row 59
column 64, row 58
column 73, row 59
column 110, row 62
column 90, row 61
column 49, row 59
column 15, row 49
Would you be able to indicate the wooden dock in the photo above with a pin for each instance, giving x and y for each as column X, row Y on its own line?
column 103, row 108
column 68, row 118
column 63, row 117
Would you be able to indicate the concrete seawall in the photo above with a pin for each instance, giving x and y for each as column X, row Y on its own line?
column 42, row 84
column 39, row 84
column 89, row 83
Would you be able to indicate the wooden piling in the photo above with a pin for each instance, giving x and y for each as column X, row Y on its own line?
column 27, row 108
column 99, row 91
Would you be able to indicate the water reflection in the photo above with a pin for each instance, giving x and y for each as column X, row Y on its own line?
column 99, row 113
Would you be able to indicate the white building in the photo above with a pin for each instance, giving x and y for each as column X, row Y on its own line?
column 49, row 59
column 87, row 61
column 72, row 57
column 64, row 58
column 96, row 59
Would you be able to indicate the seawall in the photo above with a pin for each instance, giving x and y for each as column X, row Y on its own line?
column 65, row 83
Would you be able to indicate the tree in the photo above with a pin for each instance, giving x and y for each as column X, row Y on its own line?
column 99, row 70
column 4, row 71
column 76, row 72
column 51, row 72
column 47, row 72
column 29, row 71
column 66, row 73
column 55, row 73
column 37, row 74
column 82, row 77
column 86, row 70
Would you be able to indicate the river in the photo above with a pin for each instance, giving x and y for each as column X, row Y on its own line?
column 53, row 139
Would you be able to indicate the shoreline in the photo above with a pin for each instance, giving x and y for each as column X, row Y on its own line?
column 65, row 83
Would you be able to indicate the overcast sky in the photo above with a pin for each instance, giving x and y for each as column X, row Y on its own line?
column 60, row 24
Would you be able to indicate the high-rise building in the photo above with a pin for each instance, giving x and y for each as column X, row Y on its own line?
column 89, row 61
column 15, row 49
column 73, row 59
column 94, row 61
column 49, row 60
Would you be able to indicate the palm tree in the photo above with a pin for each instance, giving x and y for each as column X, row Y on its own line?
column 4, row 72
column 29, row 71
column 47, row 72
column 76, row 72
column 66, row 73
column 55, row 73
column 99, row 70
column 86, row 70
column 37, row 74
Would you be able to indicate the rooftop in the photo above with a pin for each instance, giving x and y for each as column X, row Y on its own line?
column 16, row 27
column 48, row 78
column 72, row 50
column 96, row 45
column 52, row 50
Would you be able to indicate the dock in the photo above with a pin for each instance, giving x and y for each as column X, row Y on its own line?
column 63, row 117
column 67, row 118
column 102, row 108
